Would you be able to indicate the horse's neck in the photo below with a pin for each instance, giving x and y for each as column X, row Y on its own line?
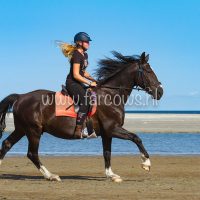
column 124, row 80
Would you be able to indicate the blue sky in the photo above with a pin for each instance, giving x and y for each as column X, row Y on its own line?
column 168, row 30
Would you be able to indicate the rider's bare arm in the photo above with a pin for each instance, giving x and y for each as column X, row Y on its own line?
column 88, row 76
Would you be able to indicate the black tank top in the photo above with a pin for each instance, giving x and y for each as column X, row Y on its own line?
column 77, row 57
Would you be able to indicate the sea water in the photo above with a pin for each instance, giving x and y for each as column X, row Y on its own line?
column 155, row 144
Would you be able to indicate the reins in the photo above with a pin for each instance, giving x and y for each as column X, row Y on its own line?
column 140, row 74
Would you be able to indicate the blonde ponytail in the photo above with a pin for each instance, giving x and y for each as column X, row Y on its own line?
column 67, row 49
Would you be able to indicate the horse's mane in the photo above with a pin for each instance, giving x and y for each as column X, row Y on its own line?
column 109, row 67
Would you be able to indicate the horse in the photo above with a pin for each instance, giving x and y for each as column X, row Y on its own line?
column 116, row 77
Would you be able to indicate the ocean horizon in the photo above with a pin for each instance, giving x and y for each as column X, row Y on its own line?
column 158, row 111
column 163, row 111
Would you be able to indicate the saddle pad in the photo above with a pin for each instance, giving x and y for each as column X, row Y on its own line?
column 64, row 106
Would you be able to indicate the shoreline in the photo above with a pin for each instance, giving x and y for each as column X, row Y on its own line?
column 101, row 156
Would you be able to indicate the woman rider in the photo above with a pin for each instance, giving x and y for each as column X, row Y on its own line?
column 77, row 77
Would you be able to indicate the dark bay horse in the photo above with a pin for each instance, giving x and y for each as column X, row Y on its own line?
column 116, row 79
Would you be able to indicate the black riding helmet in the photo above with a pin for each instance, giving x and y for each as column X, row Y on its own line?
column 82, row 36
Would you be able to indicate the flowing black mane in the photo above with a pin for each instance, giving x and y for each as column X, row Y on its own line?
column 108, row 67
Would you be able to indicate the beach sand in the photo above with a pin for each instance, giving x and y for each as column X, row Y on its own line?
column 163, row 123
column 171, row 177
column 151, row 123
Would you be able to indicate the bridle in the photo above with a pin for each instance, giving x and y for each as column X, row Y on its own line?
column 140, row 75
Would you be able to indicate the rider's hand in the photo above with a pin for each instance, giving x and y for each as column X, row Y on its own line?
column 93, row 84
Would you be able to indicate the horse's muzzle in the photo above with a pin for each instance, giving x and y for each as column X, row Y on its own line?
column 159, row 92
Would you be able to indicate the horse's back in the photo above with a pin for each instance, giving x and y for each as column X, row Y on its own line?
column 33, row 104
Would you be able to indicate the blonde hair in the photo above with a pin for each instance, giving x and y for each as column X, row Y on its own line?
column 67, row 49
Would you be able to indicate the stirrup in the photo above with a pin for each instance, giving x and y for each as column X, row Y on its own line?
column 93, row 135
column 83, row 135
column 87, row 135
column 64, row 90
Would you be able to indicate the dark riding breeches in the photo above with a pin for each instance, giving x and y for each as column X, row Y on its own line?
column 80, row 97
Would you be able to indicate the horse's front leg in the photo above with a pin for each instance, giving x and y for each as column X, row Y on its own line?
column 107, row 141
column 121, row 133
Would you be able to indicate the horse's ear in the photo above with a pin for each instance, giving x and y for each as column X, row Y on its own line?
column 147, row 58
column 143, row 58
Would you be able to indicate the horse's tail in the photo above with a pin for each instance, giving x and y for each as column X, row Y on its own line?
column 5, row 105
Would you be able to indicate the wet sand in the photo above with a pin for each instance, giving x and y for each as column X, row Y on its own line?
column 171, row 177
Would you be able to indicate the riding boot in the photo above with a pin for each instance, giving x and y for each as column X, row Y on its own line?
column 78, row 131
column 78, row 134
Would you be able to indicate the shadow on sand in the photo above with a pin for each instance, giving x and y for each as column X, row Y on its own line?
column 28, row 177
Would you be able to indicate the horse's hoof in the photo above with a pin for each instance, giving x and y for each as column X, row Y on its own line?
column 54, row 177
column 145, row 167
column 146, row 163
column 116, row 180
column 113, row 176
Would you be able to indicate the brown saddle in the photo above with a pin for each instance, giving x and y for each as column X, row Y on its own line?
column 64, row 90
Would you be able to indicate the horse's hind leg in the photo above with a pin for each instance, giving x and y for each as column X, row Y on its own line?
column 34, row 139
column 7, row 144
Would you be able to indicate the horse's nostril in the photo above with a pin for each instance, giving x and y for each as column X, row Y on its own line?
column 159, row 92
